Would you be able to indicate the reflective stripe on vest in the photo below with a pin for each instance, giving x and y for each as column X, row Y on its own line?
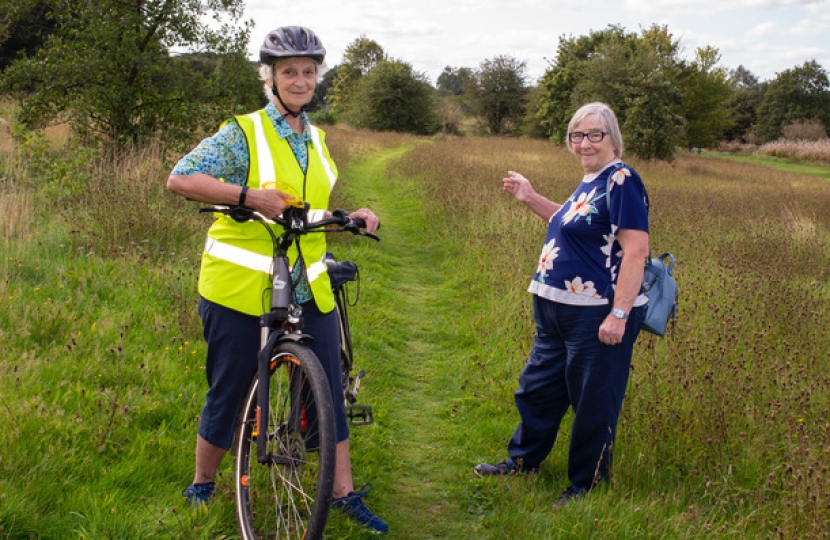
column 315, row 138
column 265, row 160
column 252, row 260
column 242, row 257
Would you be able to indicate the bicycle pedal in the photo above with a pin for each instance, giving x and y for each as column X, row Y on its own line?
column 359, row 415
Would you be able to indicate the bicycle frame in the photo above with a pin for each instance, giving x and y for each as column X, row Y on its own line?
column 284, row 319
column 341, row 273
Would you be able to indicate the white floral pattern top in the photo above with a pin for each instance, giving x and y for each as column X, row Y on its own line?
column 580, row 260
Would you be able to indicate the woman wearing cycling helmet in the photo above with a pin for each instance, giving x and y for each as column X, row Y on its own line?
column 242, row 164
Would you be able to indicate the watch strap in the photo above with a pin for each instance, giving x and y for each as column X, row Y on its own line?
column 618, row 313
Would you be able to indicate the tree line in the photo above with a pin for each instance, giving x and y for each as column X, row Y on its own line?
column 111, row 70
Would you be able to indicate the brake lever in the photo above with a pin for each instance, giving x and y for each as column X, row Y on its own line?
column 355, row 226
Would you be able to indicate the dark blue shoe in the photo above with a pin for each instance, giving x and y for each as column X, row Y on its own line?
column 571, row 494
column 198, row 494
column 508, row 466
column 352, row 505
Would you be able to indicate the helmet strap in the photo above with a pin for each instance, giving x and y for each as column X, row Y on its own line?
column 293, row 114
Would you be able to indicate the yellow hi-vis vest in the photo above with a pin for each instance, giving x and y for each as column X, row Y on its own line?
column 237, row 260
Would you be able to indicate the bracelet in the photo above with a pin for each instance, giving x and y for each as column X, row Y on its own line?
column 242, row 195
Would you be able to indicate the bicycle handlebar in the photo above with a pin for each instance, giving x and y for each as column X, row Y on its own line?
column 296, row 220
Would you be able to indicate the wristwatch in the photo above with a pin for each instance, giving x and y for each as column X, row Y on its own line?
column 618, row 313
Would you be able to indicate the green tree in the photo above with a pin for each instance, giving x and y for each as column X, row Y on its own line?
column 454, row 80
column 636, row 75
column 393, row 97
column 364, row 54
column 320, row 99
column 557, row 102
column 108, row 69
column 531, row 126
column 360, row 57
column 742, row 105
column 706, row 91
column 24, row 27
column 452, row 109
column 652, row 123
column 800, row 93
column 497, row 95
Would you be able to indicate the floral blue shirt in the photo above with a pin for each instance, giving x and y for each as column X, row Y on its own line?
column 225, row 155
column 580, row 260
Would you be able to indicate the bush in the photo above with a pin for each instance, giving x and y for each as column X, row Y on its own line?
column 805, row 130
column 817, row 151
column 324, row 116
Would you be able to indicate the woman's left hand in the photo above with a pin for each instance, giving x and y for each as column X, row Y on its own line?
column 612, row 330
column 372, row 221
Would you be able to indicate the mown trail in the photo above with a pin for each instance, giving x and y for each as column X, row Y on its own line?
column 408, row 297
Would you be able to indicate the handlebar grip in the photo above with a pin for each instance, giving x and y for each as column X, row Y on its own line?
column 361, row 224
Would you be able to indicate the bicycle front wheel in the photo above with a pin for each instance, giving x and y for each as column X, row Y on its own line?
column 286, row 494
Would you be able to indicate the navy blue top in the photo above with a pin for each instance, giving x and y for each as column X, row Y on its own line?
column 580, row 260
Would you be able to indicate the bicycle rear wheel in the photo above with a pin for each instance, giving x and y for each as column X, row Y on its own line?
column 288, row 496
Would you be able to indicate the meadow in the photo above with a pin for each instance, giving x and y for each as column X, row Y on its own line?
column 724, row 432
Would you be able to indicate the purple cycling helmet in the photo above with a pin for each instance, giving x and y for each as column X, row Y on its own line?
column 291, row 41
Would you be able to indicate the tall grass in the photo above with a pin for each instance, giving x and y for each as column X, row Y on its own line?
column 724, row 430
column 726, row 421
column 818, row 150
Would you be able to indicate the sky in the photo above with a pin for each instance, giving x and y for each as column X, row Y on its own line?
column 765, row 36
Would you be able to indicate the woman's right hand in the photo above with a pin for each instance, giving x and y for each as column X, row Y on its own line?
column 518, row 186
column 268, row 202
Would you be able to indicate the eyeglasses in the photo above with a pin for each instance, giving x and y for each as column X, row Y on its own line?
column 594, row 136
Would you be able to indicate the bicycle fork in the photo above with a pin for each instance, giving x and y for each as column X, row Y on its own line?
column 270, row 323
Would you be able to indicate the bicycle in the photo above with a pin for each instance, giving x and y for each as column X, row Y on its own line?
column 285, row 437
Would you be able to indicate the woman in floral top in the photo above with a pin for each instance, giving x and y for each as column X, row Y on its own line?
column 587, row 305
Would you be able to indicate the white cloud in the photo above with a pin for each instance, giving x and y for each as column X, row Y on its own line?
column 651, row 6
column 766, row 36
column 763, row 32
column 809, row 27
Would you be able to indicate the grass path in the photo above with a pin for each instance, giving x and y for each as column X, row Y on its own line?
column 411, row 334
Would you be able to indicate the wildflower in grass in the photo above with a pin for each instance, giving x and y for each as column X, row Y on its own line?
column 549, row 253
column 583, row 206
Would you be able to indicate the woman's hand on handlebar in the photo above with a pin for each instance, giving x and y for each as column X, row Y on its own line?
column 268, row 202
column 369, row 217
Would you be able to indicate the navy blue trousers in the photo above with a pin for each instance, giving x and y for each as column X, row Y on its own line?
column 570, row 367
column 232, row 347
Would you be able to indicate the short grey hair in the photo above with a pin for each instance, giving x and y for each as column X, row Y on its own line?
column 266, row 73
column 608, row 119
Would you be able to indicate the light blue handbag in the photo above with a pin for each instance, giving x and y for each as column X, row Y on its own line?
column 659, row 287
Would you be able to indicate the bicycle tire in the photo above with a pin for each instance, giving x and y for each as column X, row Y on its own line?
column 289, row 496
